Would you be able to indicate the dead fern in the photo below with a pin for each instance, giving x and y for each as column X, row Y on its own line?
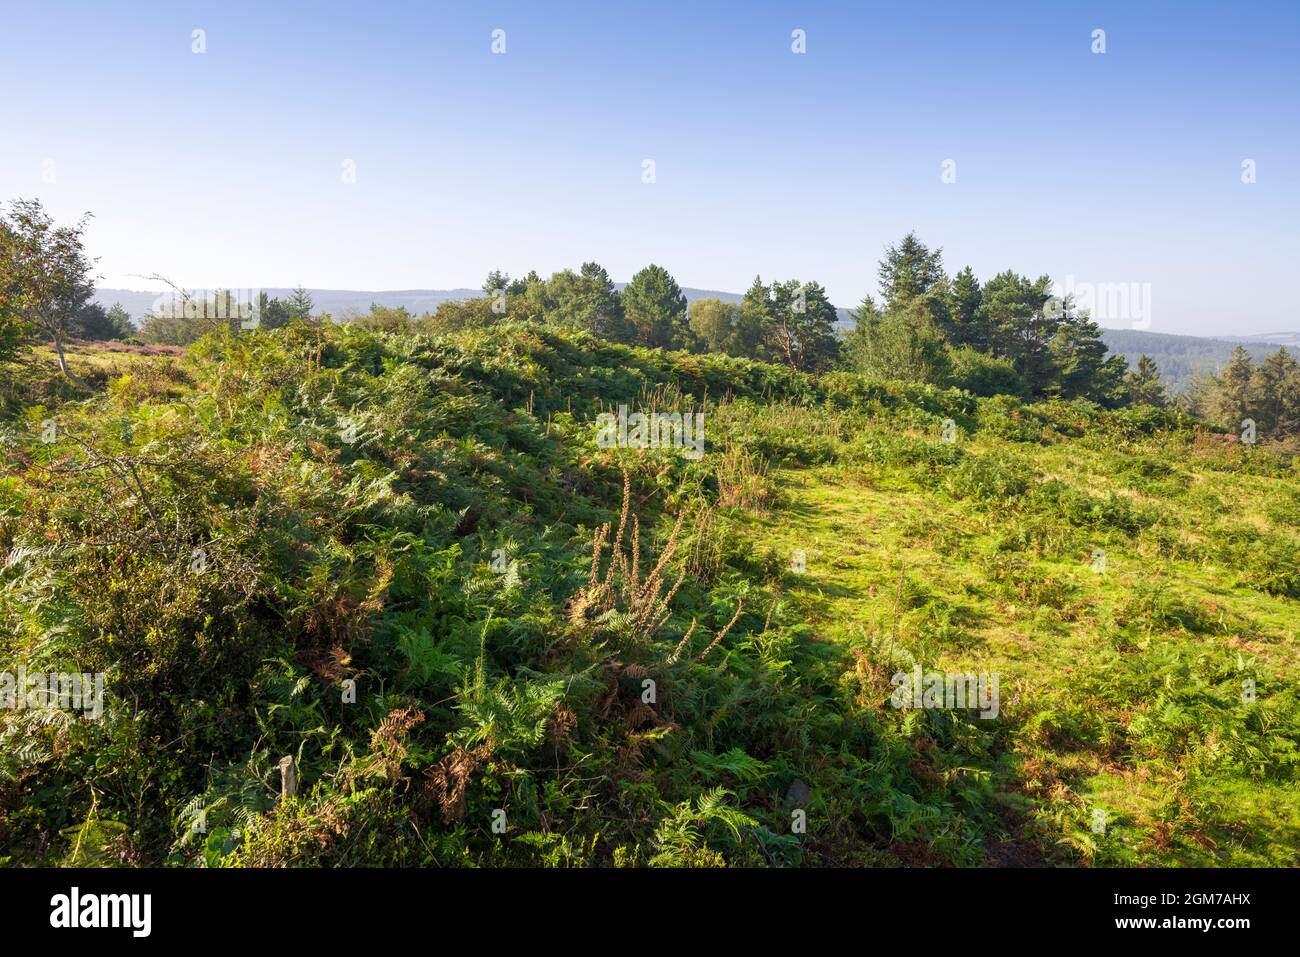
column 445, row 782
column 620, row 597
column 624, row 598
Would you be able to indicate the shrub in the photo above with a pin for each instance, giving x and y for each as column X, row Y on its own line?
column 984, row 375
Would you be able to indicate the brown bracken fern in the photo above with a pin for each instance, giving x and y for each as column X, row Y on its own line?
column 621, row 597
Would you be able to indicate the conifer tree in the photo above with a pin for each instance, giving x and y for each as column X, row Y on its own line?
column 966, row 317
column 1276, row 392
column 655, row 309
column 1145, row 386
column 300, row 304
column 1233, row 394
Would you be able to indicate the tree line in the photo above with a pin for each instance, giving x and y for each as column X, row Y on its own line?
column 1267, row 394
column 789, row 322
column 1008, row 335
column 181, row 327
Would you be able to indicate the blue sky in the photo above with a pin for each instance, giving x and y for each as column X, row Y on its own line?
column 224, row 168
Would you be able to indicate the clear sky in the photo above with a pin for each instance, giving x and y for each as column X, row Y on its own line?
column 225, row 168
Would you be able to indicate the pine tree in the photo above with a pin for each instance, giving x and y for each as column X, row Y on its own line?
column 300, row 304
column 93, row 321
column 1233, row 397
column 1020, row 328
column 901, row 344
column 120, row 321
column 271, row 313
column 601, row 305
column 586, row 299
column 498, row 281
column 909, row 270
column 1276, row 389
column 802, row 332
column 656, row 309
column 965, row 298
column 1078, row 366
column 1145, row 386
column 790, row 322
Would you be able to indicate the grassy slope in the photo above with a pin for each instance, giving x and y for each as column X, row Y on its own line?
column 1120, row 691
column 855, row 536
column 1066, row 639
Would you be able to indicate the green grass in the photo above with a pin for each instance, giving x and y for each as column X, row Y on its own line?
column 1055, row 645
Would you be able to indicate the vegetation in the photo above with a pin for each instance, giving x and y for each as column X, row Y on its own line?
column 1267, row 394
column 46, row 282
column 373, row 593
column 1009, row 335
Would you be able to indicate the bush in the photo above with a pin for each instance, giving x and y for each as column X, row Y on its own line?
column 984, row 375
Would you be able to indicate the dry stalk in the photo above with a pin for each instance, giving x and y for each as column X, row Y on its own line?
column 740, row 606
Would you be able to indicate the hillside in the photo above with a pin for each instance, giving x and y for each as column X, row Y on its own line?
column 1182, row 358
column 1289, row 339
column 411, row 568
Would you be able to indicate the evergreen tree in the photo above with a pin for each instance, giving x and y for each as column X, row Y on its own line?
column 498, row 281
column 93, row 321
column 600, row 307
column 802, row 330
column 866, row 318
column 120, row 322
column 1233, row 396
column 272, row 313
column 909, row 270
column 300, row 304
column 655, row 309
column 1276, row 392
column 1145, row 386
column 903, row 343
column 586, row 299
column 966, row 316
column 1078, row 366
column 1020, row 328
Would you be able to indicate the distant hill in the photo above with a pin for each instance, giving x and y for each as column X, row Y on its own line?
column 1289, row 339
column 1179, row 358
